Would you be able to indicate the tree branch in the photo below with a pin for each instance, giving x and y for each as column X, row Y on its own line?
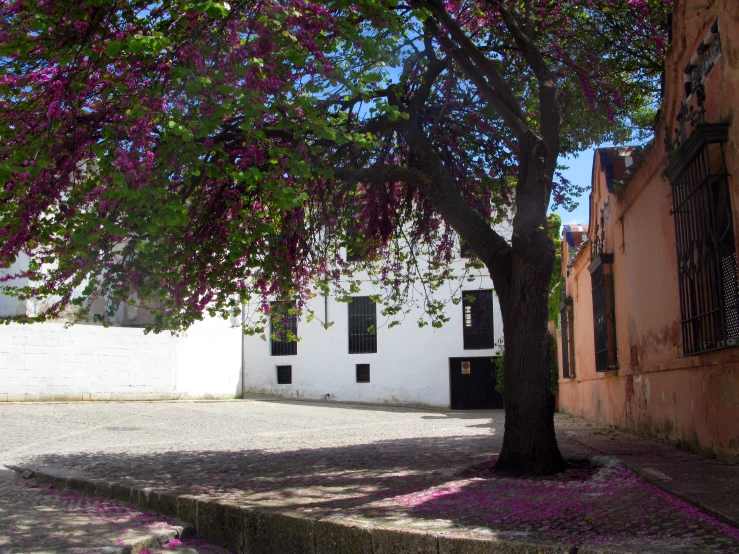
column 517, row 125
column 550, row 110
column 433, row 180
column 483, row 64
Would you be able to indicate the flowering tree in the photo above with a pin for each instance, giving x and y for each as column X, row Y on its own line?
column 191, row 154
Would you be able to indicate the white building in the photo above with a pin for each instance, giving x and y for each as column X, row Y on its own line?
column 446, row 367
column 404, row 364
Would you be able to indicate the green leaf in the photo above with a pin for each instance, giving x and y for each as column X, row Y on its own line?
column 113, row 48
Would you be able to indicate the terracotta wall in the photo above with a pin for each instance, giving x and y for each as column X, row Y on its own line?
column 656, row 390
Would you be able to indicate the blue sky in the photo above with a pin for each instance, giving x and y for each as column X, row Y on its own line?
column 579, row 173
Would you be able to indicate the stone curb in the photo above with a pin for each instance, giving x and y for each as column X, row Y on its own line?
column 657, row 483
column 664, row 486
column 250, row 530
column 131, row 545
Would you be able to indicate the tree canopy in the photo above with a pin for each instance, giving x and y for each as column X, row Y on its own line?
column 190, row 153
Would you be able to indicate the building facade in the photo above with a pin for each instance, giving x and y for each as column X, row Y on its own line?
column 648, row 334
column 357, row 358
column 360, row 358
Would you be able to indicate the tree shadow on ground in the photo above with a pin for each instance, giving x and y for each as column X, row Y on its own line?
column 419, row 482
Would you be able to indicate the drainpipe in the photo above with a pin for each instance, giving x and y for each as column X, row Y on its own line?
column 242, row 342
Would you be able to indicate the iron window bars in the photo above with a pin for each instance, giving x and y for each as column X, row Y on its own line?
column 363, row 373
column 604, row 313
column 283, row 329
column 565, row 343
column 356, row 252
column 284, row 375
column 352, row 255
column 362, row 325
column 477, row 326
column 568, row 335
column 704, row 232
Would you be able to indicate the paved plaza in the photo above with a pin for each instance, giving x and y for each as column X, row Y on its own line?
column 383, row 467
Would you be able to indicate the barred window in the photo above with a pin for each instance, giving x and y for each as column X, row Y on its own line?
column 604, row 313
column 706, row 252
column 356, row 248
column 568, row 336
column 363, row 373
column 477, row 326
column 283, row 329
column 352, row 255
column 362, row 325
column 284, row 375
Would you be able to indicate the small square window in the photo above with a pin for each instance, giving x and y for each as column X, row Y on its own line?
column 284, row 375
column 363, row 373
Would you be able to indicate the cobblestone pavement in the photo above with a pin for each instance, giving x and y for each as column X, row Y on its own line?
column 389, row 466
column 38, row 519
column 709, row 483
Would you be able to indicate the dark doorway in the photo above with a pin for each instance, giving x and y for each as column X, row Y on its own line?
column 472, row 384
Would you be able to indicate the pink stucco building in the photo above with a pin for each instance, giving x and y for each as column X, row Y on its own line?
column 648, row 336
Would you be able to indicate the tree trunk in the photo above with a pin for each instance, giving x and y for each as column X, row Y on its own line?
column 529, row 442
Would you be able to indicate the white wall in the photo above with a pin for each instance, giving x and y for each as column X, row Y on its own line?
column 46, row 361
column 209, row 360
column 411, row 365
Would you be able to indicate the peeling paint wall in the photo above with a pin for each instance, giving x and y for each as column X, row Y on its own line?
column 656, row 390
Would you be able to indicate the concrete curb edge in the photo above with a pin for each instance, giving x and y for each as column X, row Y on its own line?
column 131, row 545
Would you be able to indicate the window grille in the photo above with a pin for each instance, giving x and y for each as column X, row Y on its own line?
column 477, row 326
column 284, row 375
column 604, row 313
column 564, row 326
column 362, row 325
column 568, row 332
column 352, row 255
column 357, row 251
column 363, row 373
column 706, row 251
column 283, row 330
